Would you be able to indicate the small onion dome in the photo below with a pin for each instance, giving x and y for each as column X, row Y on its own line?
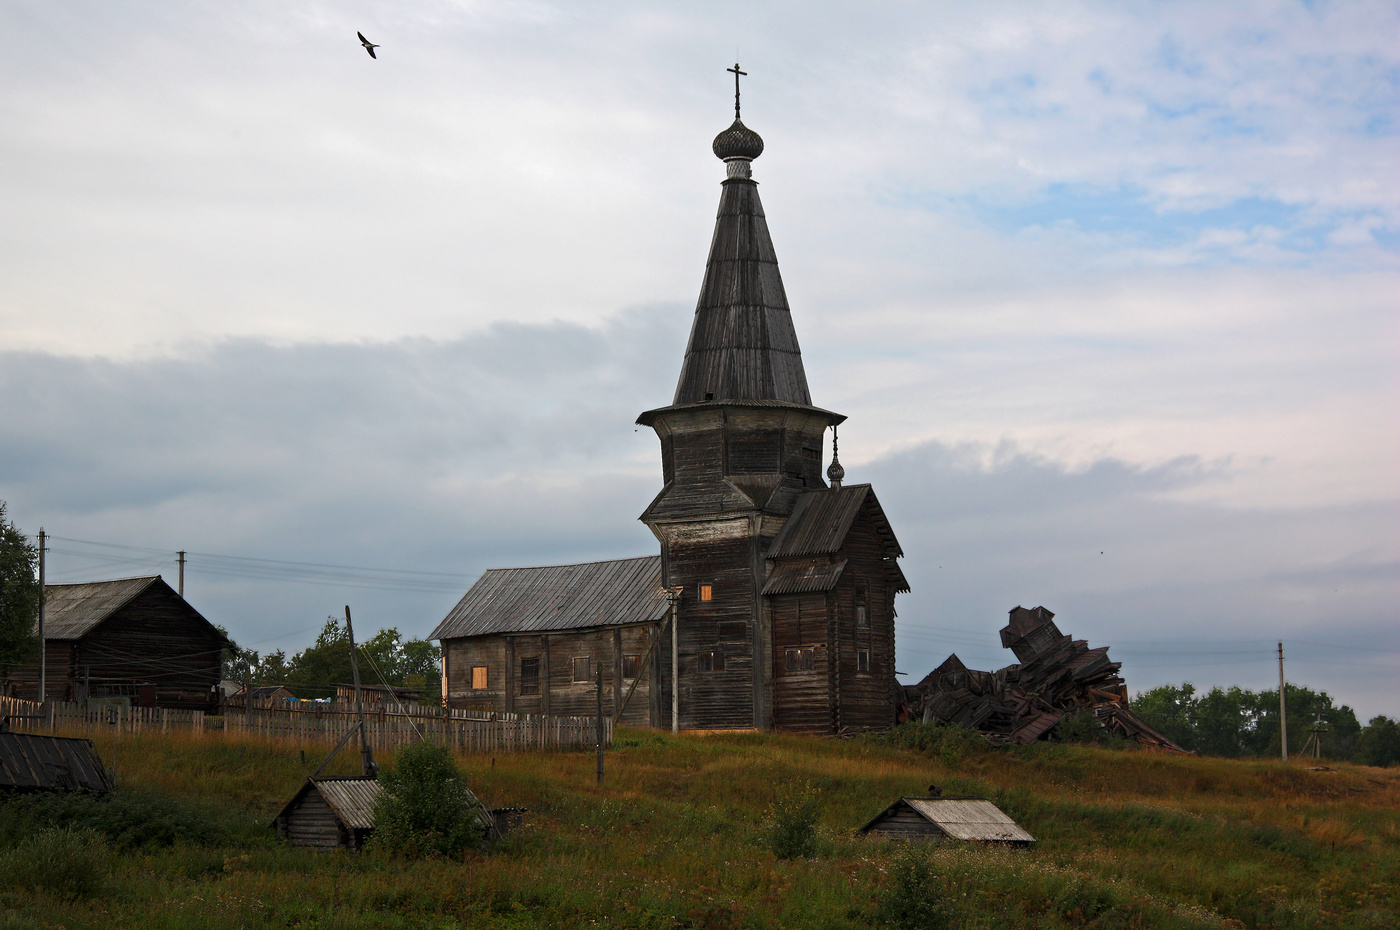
column 738, row 141
column 834, row 472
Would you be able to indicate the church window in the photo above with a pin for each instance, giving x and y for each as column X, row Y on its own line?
column 631, row 667
column 709, row 662
column 583, row 668
column 863, row 660
column 733, row 631
column 530, row 675
column 862, row 617
column 707, row 592
column 801, row 660
column 479, row 677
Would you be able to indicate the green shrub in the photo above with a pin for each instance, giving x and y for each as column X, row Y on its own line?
column 913, row 897
column 426, row 807
column 129, row 820
column 66, row 862
column 792, row 830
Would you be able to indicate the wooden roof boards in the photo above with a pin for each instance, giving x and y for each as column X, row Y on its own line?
column 954, row 818
column 821, row 520
column 559, row 597
column 71, row 611
column 351, row 797
column 804, row 577
column 53, row 763
column 742, row 343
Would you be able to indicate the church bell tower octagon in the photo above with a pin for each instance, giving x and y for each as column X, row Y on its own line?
column 797, row 635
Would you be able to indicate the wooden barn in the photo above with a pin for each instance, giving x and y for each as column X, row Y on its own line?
column 784, row 584
column 32, row 762
column 133, row 640
column 330, row 813
column 934, row 820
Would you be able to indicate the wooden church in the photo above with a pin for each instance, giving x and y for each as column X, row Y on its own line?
column 772, row 603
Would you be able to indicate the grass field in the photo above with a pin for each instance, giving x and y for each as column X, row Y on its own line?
column 680, row 836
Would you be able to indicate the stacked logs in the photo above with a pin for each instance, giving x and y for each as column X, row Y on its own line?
column 1055, row 675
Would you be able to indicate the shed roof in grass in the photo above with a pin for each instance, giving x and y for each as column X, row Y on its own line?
column 351, row 797
column 559, row 597
column 957, row 818
column 30, row 761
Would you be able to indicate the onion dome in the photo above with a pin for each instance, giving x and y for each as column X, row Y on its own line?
column 834, row 471
column 738, row 141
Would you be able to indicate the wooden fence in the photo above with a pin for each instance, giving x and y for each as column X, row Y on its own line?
column 309, row 723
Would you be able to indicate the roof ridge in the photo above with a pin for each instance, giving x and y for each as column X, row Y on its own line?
column 74, row 584
column 527, row 568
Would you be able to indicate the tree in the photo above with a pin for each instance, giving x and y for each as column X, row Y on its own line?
column 316, row 671
column 1379, row 742
column 19, row 596
column 426, row 807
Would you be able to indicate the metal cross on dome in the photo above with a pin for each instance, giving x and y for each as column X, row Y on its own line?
column 736, row 72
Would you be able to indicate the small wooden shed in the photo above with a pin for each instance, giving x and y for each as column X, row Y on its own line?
column 933, row 820
column 330, row 813
column 30, row 762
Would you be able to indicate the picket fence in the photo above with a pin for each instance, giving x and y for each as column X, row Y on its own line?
column 387, row 726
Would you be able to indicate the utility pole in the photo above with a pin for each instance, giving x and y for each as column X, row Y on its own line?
column 181, row 560
column 43, row 649
column 1282, row 707
column 675, row 594
column 599, row 671
column 366, row 755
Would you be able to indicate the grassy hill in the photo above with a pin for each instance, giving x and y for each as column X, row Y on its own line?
column 679, row 836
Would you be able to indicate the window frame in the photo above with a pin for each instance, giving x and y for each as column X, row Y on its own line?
column 483, row 672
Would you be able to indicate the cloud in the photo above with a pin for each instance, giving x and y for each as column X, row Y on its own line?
column 516, row 446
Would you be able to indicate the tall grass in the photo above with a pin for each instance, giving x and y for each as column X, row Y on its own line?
column 680, row 835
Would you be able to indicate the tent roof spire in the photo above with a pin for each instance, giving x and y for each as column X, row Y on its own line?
column 742, row 343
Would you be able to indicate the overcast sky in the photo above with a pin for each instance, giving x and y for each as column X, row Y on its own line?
column 1109, row 292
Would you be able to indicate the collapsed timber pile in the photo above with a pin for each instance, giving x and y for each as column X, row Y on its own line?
column 1056, row 675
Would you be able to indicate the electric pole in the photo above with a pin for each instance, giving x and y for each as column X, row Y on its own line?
column 181, row 559
column 599, row 669
column 43, row 650
column 366, row 755
column 1282, row 707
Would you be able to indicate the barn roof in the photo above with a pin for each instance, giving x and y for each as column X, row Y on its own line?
column 28, row 760
column 959, row 818
column 72, row 611
column 559, row 597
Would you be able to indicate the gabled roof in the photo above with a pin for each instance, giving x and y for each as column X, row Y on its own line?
column 559, row 597
column 351, row 798
column 959, row 818
column 822, row 518
column 71, row 611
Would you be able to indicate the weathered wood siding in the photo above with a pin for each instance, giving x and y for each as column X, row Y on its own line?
column 503, row 656
column 716, row 636
column 311, row 822
column 864, row 699
column 802, row 695
column 156, row 638
column 906, row 824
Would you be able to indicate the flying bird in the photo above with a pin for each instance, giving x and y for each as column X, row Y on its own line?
column 369, row 46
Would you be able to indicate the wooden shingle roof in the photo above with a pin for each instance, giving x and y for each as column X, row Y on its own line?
column 54, row 763
column 559, row 597
column 71, row 611
column 821, row 520
column 958, row 818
